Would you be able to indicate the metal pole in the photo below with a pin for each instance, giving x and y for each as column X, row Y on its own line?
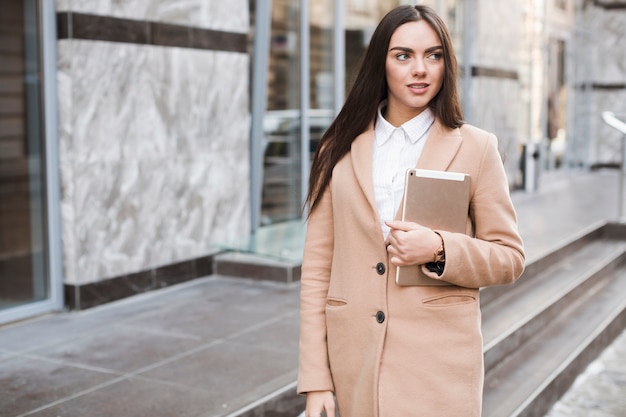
column 305, row 94
column 620, row 204
column 262, row 30
column 529, row 161
column 468, row 45
column 51, row 135
column 339, row 57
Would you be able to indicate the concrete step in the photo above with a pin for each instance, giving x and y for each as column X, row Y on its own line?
column 542, row 333
column 517, row 315
column 253, row 266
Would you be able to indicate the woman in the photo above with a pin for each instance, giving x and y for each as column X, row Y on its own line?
column 378, row 348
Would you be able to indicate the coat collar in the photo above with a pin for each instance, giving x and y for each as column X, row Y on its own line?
column 439, row 151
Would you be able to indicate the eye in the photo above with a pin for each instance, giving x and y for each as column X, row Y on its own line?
column 435, row 56
column 402, row 57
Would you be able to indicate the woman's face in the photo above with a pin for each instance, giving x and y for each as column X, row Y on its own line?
column 414, row 69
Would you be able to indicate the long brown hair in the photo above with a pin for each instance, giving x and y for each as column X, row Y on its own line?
column 370, row 88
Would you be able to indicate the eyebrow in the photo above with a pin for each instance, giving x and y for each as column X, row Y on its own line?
column 410, row 50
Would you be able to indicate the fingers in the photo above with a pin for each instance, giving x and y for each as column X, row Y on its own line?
column 330, row 412
column 410, row 243
column 317, row 402
column 400, row 225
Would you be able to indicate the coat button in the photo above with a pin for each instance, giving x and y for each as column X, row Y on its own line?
column 380, row 316
column 380, row 268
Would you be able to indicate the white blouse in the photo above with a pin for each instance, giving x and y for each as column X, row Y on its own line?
column 396, row 149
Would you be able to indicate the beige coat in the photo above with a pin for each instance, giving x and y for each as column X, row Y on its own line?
column 390, row 351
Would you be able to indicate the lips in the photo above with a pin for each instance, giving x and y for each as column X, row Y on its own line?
column 418, row 88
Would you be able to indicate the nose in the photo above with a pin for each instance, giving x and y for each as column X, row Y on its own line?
column 419, row 67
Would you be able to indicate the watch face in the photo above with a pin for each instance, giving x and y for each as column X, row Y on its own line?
column 440, row 255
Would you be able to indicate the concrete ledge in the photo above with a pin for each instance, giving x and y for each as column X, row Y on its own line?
column 246, row 265
column 615, row 231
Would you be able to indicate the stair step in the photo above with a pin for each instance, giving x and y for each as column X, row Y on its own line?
column 534, row 267
column 535, row 375
column 527, row 308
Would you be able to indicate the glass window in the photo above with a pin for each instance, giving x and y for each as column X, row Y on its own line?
column 281, row 196
column 283, row 190
column 23, row 275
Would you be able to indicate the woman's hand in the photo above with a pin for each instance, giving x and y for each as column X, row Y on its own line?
column 318, row 401
column 409, row 243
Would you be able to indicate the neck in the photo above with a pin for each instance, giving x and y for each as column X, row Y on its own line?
column 397, row 117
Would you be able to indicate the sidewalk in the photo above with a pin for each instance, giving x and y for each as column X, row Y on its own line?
column 211, row 346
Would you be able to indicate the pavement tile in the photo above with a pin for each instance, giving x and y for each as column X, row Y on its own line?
column 45, row 331
column 134, row 397
column 118, row 349
column 232, row 373
column 28, row 383
column 281, row 335
column 206, row 321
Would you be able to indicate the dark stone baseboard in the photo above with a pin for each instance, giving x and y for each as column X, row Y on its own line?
column 80, row 297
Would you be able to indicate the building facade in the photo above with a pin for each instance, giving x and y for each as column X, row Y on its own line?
column 139, row 138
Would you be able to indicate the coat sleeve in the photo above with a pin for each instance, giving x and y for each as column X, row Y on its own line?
column 495, row 254
column 314, row 369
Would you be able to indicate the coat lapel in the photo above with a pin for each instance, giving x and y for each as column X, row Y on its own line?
column 362, row 152
column 440, row 149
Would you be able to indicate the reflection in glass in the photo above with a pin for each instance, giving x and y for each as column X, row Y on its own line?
column 281, row 176
column 282, row 190
column 22, row 193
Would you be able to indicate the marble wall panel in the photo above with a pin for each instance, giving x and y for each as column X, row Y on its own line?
column 608, row 57
column 496, row 108
column 605, row 67
column 498, row 35
column 107, row 201
column 606, row 141
column 229, row 16
column 66, row 161
column 191, row 204
column 68, row 218
column 116, row 108
column 136, row 101
column 153, row 154
column 199, row 107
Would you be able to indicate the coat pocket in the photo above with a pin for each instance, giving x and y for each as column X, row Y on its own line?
column 335, row 302
column 449, row 299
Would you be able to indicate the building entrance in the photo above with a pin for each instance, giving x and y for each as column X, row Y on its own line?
column 24, row 272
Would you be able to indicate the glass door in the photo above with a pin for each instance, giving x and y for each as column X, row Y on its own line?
column 299, row 102
column 24, row 256
column 281, row 195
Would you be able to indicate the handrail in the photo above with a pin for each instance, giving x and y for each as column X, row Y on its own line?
column 611, row 120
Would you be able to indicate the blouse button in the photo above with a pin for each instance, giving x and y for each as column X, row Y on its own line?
column 380, row 317
column 380, row 268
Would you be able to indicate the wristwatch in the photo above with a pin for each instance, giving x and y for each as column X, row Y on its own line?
column 439, row 255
